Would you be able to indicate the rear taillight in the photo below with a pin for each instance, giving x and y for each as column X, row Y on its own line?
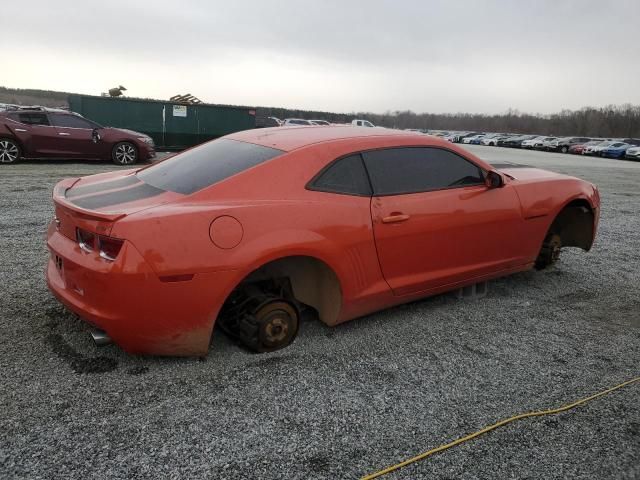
column 86, row 240
column 107, row 246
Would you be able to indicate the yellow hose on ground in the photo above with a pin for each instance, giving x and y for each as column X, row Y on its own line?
column 538, row 413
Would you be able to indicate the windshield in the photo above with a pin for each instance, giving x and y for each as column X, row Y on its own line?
column 206, row 164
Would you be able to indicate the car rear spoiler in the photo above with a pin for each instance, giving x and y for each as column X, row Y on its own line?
column 59, row 198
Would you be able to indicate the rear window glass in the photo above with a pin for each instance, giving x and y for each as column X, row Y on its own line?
column 205, row 165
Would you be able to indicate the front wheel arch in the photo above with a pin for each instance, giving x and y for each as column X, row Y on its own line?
column 125, row 160
column 573, row 227
column 575, row 224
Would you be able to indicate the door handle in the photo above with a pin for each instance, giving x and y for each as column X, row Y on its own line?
column 64, row 134
column 395, row 217
column 20, row 130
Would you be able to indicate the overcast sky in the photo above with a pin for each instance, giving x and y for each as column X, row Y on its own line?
column 350, row 55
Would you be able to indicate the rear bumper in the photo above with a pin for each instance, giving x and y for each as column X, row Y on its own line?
column 126, row 299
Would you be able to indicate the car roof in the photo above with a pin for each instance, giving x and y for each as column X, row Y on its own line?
column 291, row 138
column 43, row 112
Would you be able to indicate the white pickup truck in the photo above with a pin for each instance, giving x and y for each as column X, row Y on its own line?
column 362, row 123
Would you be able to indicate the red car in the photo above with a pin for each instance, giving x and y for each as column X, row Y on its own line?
column 42, row 133
column 578, row 149
column 248, row 230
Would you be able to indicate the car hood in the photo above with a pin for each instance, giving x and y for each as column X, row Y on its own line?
column 524, row 173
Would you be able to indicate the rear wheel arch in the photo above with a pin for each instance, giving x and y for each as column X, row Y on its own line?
column 20, row 147
column 313, row 282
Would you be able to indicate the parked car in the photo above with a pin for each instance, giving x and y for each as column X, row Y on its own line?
column 319, row 122
column 473, row 139
column 563, row 144
column 452, row 137
column 615, row 150
column 516, row 142
column 268, row 122
column 596, row 149
column 50, row 133
column 487, row 136
column 437, row 133
column 292, row 122
column 502, row 142
column 632, row 141
column 546, row 144
column 531, row 142
column 155, row 257
column 494, row 141
column 462, row 135
column 540, row 143
column 632, row 153
column 362, row 123
column 578, row 148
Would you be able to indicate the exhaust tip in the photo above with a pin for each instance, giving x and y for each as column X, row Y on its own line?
column 100, row 338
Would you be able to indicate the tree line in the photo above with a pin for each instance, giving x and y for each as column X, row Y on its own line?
column 617, row 121
column 610, row 121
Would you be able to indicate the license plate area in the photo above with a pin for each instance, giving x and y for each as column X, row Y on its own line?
column 59, row 262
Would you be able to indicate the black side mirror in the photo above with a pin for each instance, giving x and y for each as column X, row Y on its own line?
column 95, row 136
column 493, row 180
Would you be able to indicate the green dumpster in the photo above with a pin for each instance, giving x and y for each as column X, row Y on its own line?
column 173, row 126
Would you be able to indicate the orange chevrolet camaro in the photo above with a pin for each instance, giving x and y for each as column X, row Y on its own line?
column 249, row 230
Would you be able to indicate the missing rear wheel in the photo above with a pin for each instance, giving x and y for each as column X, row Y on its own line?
column 259, row 318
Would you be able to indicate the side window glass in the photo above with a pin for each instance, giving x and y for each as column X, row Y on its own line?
column 38, row 119
column 398, row 171
column 346, row 175
column 71, row 121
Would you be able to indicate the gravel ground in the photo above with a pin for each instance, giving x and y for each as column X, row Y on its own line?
column 342, row 402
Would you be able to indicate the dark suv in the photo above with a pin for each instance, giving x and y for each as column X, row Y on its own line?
column 565, row 143
column 42, row 133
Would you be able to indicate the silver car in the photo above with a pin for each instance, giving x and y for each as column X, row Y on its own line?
column 632, row 153
column 596, row 149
